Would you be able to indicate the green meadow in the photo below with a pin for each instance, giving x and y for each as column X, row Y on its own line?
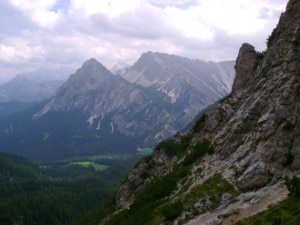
column 87, row 164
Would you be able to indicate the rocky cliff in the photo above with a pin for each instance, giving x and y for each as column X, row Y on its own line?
column 233, row 162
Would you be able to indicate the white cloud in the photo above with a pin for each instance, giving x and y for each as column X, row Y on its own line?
column 38, row 10
column 110, row 8
column 49, row 33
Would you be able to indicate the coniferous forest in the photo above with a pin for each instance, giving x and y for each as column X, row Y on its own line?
column 60, row 193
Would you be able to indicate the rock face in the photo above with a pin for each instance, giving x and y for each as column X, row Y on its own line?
column 245, row 66
column 254, row 133
column 178, row 77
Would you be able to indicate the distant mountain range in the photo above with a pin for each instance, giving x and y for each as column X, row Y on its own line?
column 23, row 89
column 34, row 86
column 96, row 112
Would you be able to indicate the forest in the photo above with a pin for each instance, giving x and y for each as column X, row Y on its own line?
column 58, row 193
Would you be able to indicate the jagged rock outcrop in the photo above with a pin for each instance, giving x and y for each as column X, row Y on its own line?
column 254, row 133
column 245, row 67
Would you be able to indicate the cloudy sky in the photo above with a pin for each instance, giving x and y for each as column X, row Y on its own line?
column 54, row 33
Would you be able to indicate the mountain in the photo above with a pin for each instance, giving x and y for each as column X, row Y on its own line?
column 178, row 77
column 23, row 89
column 47, row 74
column 238, row 159
column 34, row 86
column 189, row 85
column 96, row 112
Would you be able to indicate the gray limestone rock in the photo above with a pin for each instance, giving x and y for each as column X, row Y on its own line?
column 245, row 66
column 256, row 176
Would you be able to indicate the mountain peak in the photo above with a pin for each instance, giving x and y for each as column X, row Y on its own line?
column 94, row 70
column 91, row 61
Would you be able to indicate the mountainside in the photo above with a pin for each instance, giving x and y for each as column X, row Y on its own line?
column 235, row 160
column 24, row 89
column 96, row 112
column 178, row 77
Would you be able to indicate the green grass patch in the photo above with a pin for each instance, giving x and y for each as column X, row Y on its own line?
column 212, row 189
column 86, row 164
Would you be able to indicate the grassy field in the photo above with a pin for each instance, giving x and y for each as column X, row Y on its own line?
column 86, row 164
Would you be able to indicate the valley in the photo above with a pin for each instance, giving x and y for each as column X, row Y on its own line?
column 58, row 193
column 165, row 140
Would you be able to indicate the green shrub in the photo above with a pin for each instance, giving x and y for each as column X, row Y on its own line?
column 200, row 149
column 261, row 55
column 293, row 186
column 277, row 221
column 173, row 147
column 172, row 210
column 199, row 124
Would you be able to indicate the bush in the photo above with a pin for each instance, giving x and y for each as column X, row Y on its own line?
column 199, row 124
column 172, row 210
column 201, row 148
column 293, row 186
column 172, row 147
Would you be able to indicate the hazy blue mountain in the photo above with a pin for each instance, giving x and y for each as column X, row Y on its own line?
column 35, row 85
column 23, row 89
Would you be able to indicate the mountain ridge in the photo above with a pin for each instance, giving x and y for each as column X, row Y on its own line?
column 157, row 70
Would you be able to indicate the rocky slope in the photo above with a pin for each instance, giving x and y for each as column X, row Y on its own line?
column 189, row 83
column 233, row 162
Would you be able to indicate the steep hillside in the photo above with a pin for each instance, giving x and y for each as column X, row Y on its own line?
column 96, row 112
column 234, row 161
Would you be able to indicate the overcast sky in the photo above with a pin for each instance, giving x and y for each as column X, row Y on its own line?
column 54, row 33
